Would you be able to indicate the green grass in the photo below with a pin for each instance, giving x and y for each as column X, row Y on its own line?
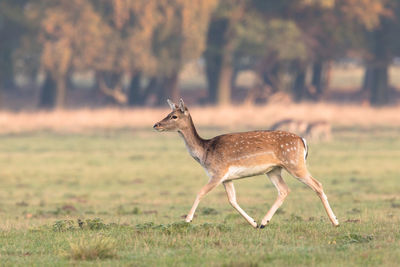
column 139, row 183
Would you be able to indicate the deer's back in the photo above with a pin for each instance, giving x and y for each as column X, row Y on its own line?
column 256, row 148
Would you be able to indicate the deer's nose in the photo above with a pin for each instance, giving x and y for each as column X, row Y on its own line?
column 156, row 125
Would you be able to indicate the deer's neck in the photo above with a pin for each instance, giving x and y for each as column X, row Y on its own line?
column 194, row 143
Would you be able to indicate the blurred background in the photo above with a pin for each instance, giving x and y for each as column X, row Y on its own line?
column 86, row 53
column 82, row 82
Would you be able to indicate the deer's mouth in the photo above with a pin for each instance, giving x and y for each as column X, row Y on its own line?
column 158, row 127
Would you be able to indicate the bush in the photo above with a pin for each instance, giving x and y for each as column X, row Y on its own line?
column 89, row 224
column 63, row 225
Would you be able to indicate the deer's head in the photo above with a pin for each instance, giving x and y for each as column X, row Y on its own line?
column 178, row 119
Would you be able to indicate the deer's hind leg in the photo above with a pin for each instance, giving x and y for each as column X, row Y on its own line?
column 283, row 191
column 305, row 177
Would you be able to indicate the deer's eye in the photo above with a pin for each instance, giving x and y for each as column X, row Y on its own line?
column 174, row 117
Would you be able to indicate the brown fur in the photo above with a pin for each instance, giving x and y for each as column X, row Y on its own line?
column 238, row 155
column 252, row 148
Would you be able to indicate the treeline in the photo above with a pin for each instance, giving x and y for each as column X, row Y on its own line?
column 149, row 41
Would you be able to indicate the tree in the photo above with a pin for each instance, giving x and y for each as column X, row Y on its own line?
column 149, row 41
column 221, row 45
column 179, row 37
column 329, row 29
column 127, row 51
column 152, row 39
column 70, row 35
column 13, row 25
column 378, row 27
column 382, row 46
column 273, row 45
column 266, row 40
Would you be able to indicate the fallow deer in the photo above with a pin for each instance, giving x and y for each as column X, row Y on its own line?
column 319, row 131
column 238, row 155
column 298, row 127
column 314, row 131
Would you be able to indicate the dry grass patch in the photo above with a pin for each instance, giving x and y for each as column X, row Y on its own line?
column 95, row 247
column 262, row 117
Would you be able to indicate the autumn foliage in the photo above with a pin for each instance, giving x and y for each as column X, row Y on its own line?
column 147, row 43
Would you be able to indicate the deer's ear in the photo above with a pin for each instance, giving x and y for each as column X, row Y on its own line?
column 182, row 106
column 172, row 105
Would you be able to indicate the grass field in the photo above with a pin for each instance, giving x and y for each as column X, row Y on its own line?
column 116, row 198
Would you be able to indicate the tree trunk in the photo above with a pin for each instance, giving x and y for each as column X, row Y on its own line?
column 317, row 78
column 367, row 80
column 327, row 76
column 225, row 78
column 379, row 89
column 135, row 96
column 379, row 86
column 7, row 69
column 97, row 77
column 224, row 88
column 69, row 80
column 60, row 93
column 299, row 86
column 48, row 93
column 272, row 78
column 219, row 55
column 235, row 75
column 112, row 79
column 1, row 90
column 213, row 55
column 212, row 73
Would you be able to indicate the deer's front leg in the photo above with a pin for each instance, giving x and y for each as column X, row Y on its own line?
column 231, row 193
column 204, row 190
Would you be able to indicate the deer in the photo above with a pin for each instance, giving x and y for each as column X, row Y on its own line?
column 319, row 131
column 295, row 126
column 233, row 156
column 314, row 131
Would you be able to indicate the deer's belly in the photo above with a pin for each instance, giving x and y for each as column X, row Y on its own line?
column 237, row 172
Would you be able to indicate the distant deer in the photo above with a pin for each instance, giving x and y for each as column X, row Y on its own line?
column 315, row 131
column 238, row 155
column 295, row 126
column 319, row 131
